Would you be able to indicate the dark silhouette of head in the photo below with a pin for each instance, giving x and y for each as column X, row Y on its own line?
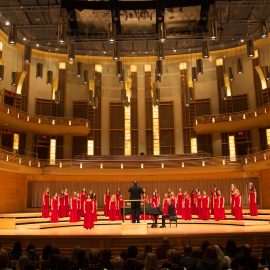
column 135, row 183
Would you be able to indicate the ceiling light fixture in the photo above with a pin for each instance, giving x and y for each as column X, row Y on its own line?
column 205, row 49
column 250, row 48
column 159, row 67
column 194, row 74
column 12, row 37
column 71, row 52
column 7, row 23
column 115, row 51
column 230, row 71
column 79, row 69
column 27, row 54
column 162, row 35
column 112, row 32
column 39, row 70
column 85, row 76
column 61, row 33
column 239, row 66
column 49, row 77
column 160, row 51
column 118, row 68
column 263, row 29
column 199, row 66
column 213, row 29
column 2, row 72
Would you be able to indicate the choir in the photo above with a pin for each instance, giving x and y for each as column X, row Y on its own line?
column 187, row 204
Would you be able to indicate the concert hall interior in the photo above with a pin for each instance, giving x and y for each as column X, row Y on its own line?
column 95, row 95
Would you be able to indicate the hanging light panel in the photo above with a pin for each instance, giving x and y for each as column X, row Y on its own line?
column 27, row 54
column 162, row 32
column 39, row 71
column 205, row 49
column 49, row 78
column 199, row 66
column 12, row 36
column 250, row 48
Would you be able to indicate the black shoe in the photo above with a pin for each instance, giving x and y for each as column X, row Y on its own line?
column 162, row 226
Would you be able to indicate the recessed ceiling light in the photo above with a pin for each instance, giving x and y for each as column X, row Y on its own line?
column 104, row 52
column 37, row 45
column 133, row 52
column 24, row 39
column 7, row 23
column 146, row 52
column 174, row 50
column 242, row 40
column 56, row 49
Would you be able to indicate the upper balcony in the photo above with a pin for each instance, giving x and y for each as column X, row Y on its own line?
column 229, row 122
column 20, row 121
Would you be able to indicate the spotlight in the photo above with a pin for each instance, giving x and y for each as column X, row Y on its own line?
column 118, row 68
column 27, row 54
column 267, row 73
column 213, row 29
column 7, row 23
column 122, row 77
column 250, row 48
column 230, row 71
column 159, row 67
column 160, row 51
column 194, row 74
column 199, row 66
column 12, row 37
column 71, row 52
column 2, row 72
column 49, row 77
column 239, row 66
column 205, row 49
column 115, row 51
column 39, row 71
column 263, row 29
column 162, row 32
column 79, row 69
column 85, row 76
column 13, row 78
column 57, row 97
column 112, row 32
column 61, row 33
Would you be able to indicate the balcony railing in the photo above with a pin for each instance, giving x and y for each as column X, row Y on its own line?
column 40, row 119
column 229, row 117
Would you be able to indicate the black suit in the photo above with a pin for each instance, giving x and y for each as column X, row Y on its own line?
column 135, row 194
column 171, row 213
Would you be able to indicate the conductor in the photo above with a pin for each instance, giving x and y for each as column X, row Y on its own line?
column 135, row 194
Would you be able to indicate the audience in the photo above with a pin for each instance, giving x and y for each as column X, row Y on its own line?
column 207, row 257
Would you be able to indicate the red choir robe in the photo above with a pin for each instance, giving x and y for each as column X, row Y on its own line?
column 165, row 206
column 107, row 199
column 217, row 208
column 205, row 208
column 199, row 206
column 238, row 213
column 179, row 203
column 232, row 202
column 46, row 205
column 88, row 214
column 83, row 198
column 252, row 198
column 186, row 209
column 66, row 204
column 153, row 203
column 79, row 209
column 74, row 209
column 95, row 210
column 222, row 208
column 112, row 210
column 120, row 205
column 55, row 210
column 62, row 212
column 158, row 199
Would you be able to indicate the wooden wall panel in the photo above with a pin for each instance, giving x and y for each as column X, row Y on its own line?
column 35, row 188
column 12, row 192
column 265, row 188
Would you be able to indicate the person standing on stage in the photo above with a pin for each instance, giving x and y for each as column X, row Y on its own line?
column 186, row 209
column 154, row 204
column 238, row 213
column 170, row 214
column 83, row 198
column 107, row 199
column 158, row 197
column 216, row 206
column 55, row 208
column 222, row 206
column 88, row 213
column 79, row 206
column 145, row 202
column 232, row 196
column 112, row 208
column 74, row 208
column 179, row 202
column 165, row 203
column 199, row 204
column 62, row 205
column 205, row 206
column 252, row 199
column 46, row 203
column 66, row 200
column 136, row 193
column 120, row 204
column 95, row 206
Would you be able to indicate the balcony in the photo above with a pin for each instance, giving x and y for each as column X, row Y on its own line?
column 230, row 122
column 45, row 125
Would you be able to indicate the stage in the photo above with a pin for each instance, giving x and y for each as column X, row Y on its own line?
column 31, row 228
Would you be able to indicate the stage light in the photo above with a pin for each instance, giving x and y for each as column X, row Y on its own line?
column 7, row 23
column 12, row 36
column 160, row 51
column 115, row 51
column 85, row 76
column 112, row 32
column 239, row 66
column 250, row 48
column 162, row 165
column 199, row 66
column 230, row 71
column 224, row 92
column 49, row 79
column 263, row 29
column 2, row 72
column 13, row 78
column 159, row 67
column 61, row 33
column 71, row 52
column 156, row 96
column 194, row 74
column 79, row 69
column 205, row 49
column 213, row 29
column 57, row 99
column 27, row 54
column 267, row 73
column 162, row 32
column 122, row 77
column 118, row 68
column 39, row 70
column 101, row 166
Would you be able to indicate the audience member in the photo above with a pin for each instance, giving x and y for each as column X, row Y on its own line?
column 161, row 250
column 132, row 263
column 106, row 256
column 95, row 260
column 142, row 255
column 265, row 257
column 25, row 264
column 16, row 251
column 118, row 263
column 224, row 261
column 4, row 260
column 205, row 244
column 230, row 248
column 151, row 262
column 188, row 260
